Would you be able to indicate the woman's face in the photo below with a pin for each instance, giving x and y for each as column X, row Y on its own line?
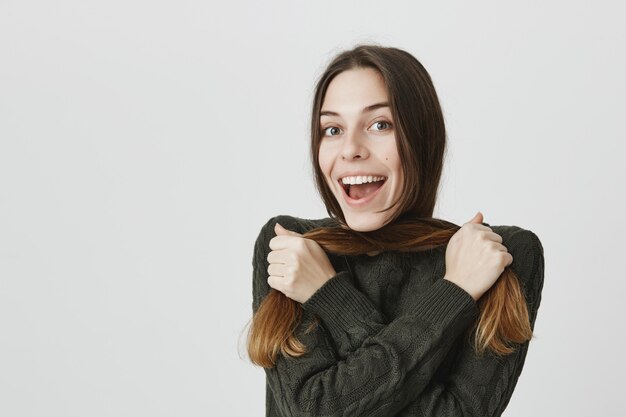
column 358, row 140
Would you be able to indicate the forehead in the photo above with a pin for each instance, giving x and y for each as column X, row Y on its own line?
column 354, row 89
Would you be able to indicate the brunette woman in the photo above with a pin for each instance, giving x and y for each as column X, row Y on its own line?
column 381, row 309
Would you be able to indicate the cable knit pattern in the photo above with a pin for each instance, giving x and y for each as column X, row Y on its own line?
column 389, row 343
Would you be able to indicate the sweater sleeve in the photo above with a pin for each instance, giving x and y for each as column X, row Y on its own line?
column 384, row 374
column 482, row 385
column 476, row 385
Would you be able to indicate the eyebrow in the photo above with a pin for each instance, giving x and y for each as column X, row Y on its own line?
column 365, row 110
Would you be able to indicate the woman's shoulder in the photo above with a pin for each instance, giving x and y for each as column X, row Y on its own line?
column 528, row 256
column 518, row 237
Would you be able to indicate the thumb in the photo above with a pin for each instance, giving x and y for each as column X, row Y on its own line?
column 280, row 230
column 478, row 218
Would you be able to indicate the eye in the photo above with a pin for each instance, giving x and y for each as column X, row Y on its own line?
column 382, row 122
column 331, row 127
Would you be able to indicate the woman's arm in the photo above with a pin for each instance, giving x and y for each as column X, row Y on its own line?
column 483, row 385
column 381, row 376
column 476, row 385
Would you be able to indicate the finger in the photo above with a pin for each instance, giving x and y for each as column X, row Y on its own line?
column 478, row 218
column 508, row 259
column 280, row 230
column 479, row 226
column 476, row 227
column 282, row 241
column 275, row 282
column 277, row 270
column 499, row 246
column 491, row 235
column 278, row 256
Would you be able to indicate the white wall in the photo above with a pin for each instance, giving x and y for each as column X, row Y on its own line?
column 143, row 144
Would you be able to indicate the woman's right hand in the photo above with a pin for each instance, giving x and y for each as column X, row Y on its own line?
column 476, row 257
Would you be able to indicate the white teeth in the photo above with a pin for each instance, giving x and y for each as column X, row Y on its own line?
column 361, row 179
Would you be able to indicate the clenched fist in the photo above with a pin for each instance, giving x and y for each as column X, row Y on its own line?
column 298, row 266
column 476, row 257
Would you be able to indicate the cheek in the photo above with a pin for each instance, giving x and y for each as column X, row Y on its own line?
column 392, row 158
column 325, row 160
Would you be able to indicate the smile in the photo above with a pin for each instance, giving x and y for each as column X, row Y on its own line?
column 366, row 195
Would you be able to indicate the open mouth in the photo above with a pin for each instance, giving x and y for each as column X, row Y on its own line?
column 361, row 191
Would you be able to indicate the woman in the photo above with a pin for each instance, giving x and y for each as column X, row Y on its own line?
column 380, row 309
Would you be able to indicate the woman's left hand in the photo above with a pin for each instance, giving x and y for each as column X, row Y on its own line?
column 298, row 266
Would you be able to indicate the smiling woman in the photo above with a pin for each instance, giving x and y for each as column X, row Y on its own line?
column 438, row 318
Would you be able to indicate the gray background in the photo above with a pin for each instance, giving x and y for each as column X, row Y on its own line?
column 143, row 144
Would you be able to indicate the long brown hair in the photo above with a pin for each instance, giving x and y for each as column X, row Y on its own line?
column 421, row 141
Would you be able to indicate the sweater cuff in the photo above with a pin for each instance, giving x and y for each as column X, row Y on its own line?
column 343, row 307
column 446, row 302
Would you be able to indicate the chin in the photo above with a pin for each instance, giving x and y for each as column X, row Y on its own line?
column 364, row 222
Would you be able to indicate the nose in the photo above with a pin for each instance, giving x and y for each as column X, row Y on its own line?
column 354, row 146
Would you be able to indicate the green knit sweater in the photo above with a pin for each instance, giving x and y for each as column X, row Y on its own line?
column 390, row 340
